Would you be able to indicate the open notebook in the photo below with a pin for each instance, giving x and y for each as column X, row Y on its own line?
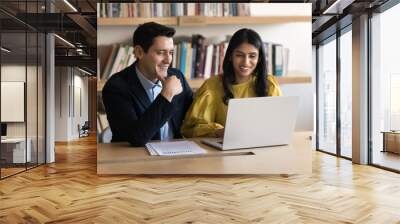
column 174, row 148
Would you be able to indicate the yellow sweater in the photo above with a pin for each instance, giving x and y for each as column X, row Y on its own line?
column 208, row 112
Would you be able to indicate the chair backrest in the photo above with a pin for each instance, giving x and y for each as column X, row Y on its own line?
column 103, row 128
column 106, row 135
column 86, row 125
column 103, row 122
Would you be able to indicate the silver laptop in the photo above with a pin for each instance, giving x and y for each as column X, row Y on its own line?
column 258, row 122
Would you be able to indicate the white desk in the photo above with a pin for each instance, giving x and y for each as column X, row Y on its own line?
column 16, row 147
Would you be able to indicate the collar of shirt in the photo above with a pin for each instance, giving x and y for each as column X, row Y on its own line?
column 148, row 85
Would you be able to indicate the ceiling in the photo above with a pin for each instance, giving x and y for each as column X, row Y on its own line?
column 330, row 15
column 76, row 23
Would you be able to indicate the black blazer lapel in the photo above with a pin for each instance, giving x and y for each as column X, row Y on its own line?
column 136, row 87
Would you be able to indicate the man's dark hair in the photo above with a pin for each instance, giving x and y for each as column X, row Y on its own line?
column 145, row 34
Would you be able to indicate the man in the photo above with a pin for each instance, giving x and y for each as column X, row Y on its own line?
column 148, row 100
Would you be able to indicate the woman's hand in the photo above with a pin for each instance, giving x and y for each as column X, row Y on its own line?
column 220, row 133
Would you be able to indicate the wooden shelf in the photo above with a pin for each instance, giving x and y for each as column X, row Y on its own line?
column 196, row 83
column 202, row 20
column 128, row 21
column 293, row 79
column 232, row 20
column 282, row 80
column 193, row 21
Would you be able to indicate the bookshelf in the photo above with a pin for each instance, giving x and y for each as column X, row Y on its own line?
column 191, row 24
column 202, row 20
column 288, row 25
column 129, row 21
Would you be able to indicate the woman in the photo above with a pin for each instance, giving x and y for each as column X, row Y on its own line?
column 244, row 75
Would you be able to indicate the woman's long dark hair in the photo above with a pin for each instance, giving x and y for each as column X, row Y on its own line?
column 228, row 78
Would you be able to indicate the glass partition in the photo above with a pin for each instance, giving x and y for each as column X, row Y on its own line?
column 32, row 98
column 14, row 145
column 22, row 88
column 346, row 94
column 385, row 89
column 327, row 97
column 41, row 96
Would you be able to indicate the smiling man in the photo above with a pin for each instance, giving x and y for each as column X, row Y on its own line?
column 148, row 100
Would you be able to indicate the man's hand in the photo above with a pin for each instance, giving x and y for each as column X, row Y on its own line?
column 171, row 86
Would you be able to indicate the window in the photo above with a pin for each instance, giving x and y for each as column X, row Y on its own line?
column 385, row 85
column 327, row 97
column 346, row 93
column 22, row 74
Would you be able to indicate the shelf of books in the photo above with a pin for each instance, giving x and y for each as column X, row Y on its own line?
column 197, row 57
column 201, row 20
column 151, row 10
column 128, row 21
column 186, row 14
column 199, row 60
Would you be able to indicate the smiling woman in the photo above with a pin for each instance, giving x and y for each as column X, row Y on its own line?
column 244, row 60
column 244, row 75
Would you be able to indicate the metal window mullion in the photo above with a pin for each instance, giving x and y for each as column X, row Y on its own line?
column 369, row 90
column 73, row 91
column 338, row 98
column 317, row 96
column 45, row 96
column 0, row 97
column 37, row 91
column 26, row 88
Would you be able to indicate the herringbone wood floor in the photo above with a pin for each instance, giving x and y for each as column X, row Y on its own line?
column 69, row 191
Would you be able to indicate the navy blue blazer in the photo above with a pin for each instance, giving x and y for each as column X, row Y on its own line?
column 131, row 115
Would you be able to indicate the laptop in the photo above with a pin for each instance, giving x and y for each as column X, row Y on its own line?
column 258, row 122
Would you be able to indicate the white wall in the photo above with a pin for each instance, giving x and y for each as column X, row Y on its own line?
column 61, row 83
column 70, row 84
column 281, row 9
column 14, row 73
column 80, row 85
column 33, row 125
column 305, row 116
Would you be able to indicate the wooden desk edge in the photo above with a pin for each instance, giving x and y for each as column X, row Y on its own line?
column 295, row 161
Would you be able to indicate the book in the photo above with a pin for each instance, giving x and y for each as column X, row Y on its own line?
column 285, row 59
column 198, row 57
column 188, row 61
column 110, row 62
column 141, row 9
column 174, row 148
column 208, row 61
column 182, row 60
column 277, row 59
